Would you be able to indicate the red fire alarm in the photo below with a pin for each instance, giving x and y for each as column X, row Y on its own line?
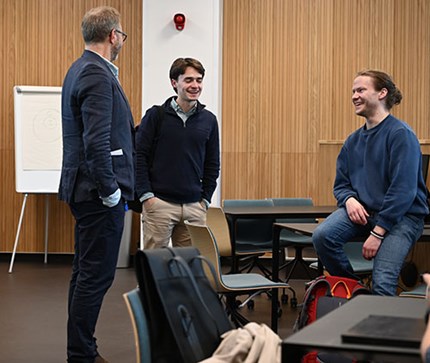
column 179, row 20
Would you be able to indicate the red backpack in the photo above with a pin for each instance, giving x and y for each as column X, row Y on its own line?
column 323, row 295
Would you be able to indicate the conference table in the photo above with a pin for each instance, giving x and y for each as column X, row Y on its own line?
column 325, row 334
column 233, row 214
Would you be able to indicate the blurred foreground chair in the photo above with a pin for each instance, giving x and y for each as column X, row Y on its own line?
column 133, row 300
column 254, row 236
column 229, row 285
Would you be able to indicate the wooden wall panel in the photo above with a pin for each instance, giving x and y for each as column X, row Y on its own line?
column 411, row 66
column 42, row 38
column 310, row 51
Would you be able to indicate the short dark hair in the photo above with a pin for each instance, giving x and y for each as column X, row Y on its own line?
column 383, row 80
column 98, row 22
column 181, row 64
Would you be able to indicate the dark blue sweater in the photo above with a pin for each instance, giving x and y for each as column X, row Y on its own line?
column 186, row 161
column 381, row 168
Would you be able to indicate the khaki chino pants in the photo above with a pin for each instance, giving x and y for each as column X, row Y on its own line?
column 165, row 220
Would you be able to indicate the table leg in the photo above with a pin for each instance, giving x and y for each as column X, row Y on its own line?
column 275, row 277
column 320, row 267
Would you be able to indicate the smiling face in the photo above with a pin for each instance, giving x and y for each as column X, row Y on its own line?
column 188, row 86
column 366, row 99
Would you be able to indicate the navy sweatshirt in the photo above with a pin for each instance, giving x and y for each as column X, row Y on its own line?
column 381, row 168
column 185, row 163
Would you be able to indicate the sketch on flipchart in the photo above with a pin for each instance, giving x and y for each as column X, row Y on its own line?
column 42, row 142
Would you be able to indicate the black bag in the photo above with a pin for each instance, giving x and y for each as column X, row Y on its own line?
column 186, row 317
column 136, row 205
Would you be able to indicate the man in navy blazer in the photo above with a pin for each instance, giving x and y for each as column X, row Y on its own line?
column 97, row 176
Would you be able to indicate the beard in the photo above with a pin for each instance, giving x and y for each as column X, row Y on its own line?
column 116, row 48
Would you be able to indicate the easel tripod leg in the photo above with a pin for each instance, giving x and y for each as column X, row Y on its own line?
column 18, row 232
column 46, row 226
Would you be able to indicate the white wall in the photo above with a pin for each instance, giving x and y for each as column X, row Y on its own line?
column 162, row 44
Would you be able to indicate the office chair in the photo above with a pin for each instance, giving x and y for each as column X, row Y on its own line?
column 217, row 222
column 361, row 267
column 425, row 165
column 254, row 236
column 419, row 291
column 297, row 241
column 229, row 285
column 133, row 300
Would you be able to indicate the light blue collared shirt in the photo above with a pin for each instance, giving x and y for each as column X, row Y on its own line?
column 114, row 69
column 183, row 115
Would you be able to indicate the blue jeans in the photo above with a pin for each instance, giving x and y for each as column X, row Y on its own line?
column 331, row 235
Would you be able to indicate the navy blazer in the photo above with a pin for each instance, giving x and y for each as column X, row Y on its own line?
column 98, row 133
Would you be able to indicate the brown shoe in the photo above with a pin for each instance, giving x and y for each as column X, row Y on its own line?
column 100, row 359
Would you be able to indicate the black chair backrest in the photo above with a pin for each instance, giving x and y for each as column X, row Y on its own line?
column 425, row 166
column 249, row 230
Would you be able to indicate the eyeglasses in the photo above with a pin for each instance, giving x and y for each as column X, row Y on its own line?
column 124, row 35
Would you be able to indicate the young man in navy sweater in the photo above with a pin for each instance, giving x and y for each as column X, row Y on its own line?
column 177, row 150
column 379, row 188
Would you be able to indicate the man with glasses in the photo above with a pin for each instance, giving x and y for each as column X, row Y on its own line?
column 97, row 175
column 124, row 36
